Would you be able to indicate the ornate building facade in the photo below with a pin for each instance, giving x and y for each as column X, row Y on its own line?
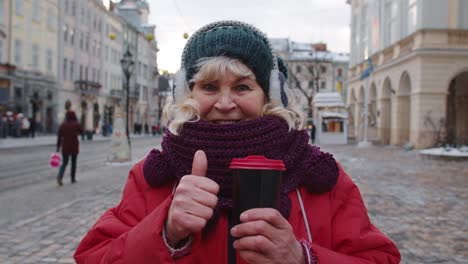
column 417, row 93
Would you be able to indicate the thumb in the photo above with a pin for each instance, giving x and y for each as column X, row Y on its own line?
column 200, row 163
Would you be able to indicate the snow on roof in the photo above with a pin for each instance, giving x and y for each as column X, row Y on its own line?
column 305, row 51
column 320, row 55
column 299, row 46
column 334, row 114
column 328, row 100
column 280, row 44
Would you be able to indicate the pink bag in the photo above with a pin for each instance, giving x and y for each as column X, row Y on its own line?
column 55, row 160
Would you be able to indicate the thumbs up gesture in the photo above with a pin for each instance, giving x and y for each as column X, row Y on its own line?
column 194, row 200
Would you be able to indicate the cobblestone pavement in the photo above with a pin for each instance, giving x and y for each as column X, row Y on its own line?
column 420, row 203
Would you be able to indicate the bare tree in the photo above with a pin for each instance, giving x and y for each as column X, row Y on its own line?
column 162, row 93
column 311, row 77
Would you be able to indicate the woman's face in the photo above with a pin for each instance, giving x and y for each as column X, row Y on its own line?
column 230, row 99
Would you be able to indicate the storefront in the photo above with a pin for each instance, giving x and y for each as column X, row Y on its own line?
column 330, row 118
column 332, row 128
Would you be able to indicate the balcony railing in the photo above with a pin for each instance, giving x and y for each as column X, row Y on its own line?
column 87, row 87
column 116, row 93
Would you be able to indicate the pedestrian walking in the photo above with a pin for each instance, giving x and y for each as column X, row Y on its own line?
column 230, row 100
column 67, row 139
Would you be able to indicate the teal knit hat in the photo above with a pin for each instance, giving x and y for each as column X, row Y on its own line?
column 235, row 40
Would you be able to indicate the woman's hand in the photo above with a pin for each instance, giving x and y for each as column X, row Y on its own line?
column 264, row 236
column 193, row 202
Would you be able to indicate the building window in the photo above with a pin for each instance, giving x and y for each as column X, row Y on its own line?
column 2, row 8
column 50, row 18
column 298, row 68
column 323, row 85
column 394, row 22
column 65, row 33
column 145, row 93
column 49, row 60
column 65, row 69
column 364, row 32
column 19, row 7
column 35, row 56
column 388, row 23
column 339, row 72
column 87, row 42
column 18, row 93
column 72, row 74
column 66, row 6
column 81, row 40
column 35, row 11
column 412, row 16
column 105, row 79
column 1, row 48
column 72, row 37
column 18, row 51
column 323, row 69
column 73, row 8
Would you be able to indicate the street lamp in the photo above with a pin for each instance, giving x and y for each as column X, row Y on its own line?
column 127, row 64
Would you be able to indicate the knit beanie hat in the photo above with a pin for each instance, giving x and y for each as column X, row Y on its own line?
column 236, row 40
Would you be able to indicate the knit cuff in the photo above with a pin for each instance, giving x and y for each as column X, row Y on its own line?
column 309, row 254
column 182, row 249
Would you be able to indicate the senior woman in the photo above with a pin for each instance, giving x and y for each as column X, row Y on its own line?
column 230, row 100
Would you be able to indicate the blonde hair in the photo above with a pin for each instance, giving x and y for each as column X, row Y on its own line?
column 211, row 69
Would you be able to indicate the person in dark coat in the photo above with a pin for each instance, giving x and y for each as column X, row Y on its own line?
column 312, row 133
column 67, row 138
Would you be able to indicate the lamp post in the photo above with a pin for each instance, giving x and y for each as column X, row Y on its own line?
column 127, row 64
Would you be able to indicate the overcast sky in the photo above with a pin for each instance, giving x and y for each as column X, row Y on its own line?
column 300, row 20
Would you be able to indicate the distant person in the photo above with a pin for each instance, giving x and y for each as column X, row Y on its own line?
column 25, row 125
column 67, row 139
column 18, row 124
column 312, row 133
column 32, row 127
column 231, row 100
column 3, row 125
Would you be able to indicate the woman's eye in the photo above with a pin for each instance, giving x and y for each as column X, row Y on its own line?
column 209, row 87
column 243, row 88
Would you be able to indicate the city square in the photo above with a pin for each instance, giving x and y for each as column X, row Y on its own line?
column 420, row 202
column 382, row 85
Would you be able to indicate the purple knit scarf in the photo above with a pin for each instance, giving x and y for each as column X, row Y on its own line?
column 268, row 136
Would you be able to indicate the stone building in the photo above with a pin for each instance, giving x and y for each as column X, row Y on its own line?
column 312, row 69
column 86, row 60
column 135, row 13
column 28, row 52
column 417, row 93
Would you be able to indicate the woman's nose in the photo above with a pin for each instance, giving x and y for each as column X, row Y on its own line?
column 225, row 103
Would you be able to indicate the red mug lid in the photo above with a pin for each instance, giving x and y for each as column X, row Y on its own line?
column 254, row 162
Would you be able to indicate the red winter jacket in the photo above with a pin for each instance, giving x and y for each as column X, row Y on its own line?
column 132, row 231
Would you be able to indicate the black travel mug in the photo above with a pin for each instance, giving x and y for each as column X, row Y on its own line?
column 256, row 183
